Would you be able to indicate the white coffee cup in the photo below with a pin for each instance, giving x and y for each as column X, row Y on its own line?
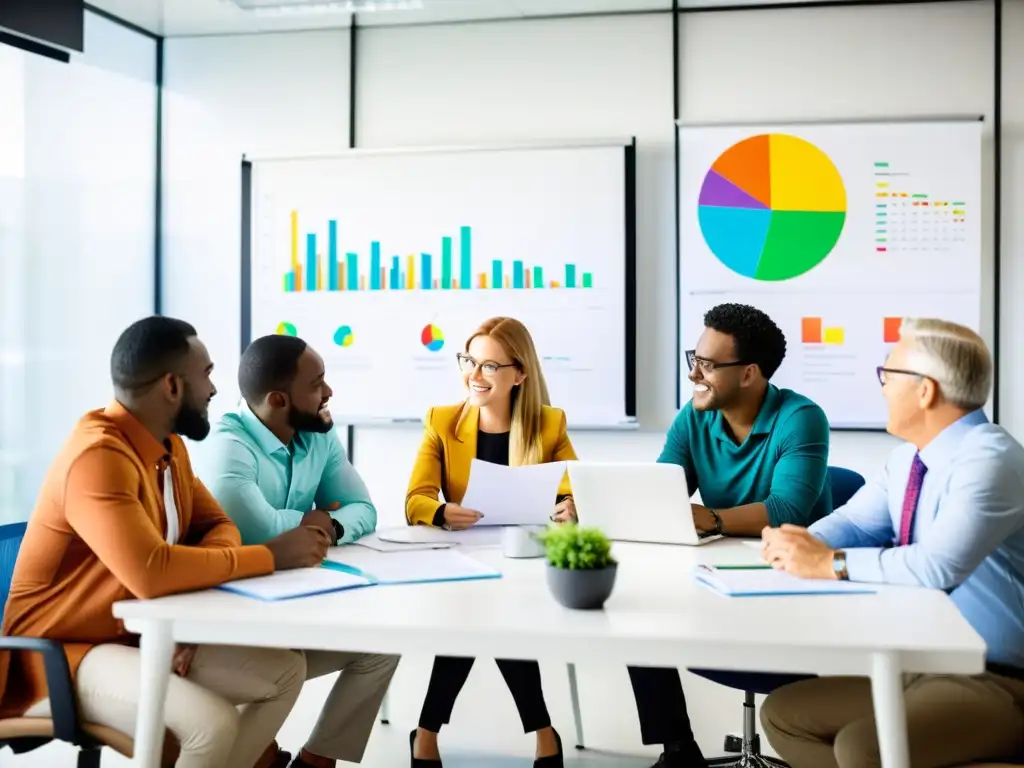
column 520, row 541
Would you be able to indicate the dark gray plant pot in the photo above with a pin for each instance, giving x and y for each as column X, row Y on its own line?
column 583, row 590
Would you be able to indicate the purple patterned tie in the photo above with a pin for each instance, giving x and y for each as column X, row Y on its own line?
column 917, row 470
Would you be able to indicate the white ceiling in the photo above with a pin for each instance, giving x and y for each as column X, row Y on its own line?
column 217, row 17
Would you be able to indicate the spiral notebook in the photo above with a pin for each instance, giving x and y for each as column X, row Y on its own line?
column 354, row 568
column 768, row 582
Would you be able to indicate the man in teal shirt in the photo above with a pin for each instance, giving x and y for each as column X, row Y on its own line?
column 276, row 464
column 759, row 457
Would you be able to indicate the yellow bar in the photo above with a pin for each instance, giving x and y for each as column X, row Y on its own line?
column 555, row 284
column 506, row 281
column 455, row 283
column 362, row 282
column 410, row 272
column 881, row 184
column 834, row 335
column 483, row 280
column 319, row 272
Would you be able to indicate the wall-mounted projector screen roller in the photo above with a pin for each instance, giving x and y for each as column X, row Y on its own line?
column 386, row 261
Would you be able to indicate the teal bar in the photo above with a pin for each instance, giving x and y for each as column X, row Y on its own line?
column 518, row 281
column 446, row 263
column 538, row 277
column 588, row 280
column 352, row 267
column 496, row 279
column 570, row 275
column 426, row 272
column 466, row 256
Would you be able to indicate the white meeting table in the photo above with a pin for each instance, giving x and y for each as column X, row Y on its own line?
column 657, row 616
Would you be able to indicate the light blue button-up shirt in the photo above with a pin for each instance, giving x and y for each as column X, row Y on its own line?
column 266, row 486
column 968, row 531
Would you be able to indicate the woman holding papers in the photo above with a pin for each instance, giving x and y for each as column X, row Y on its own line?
column 505, row 419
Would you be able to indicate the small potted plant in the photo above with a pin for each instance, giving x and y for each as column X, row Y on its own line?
column 581, row 569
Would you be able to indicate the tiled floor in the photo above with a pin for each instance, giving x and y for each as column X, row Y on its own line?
column 485, row 729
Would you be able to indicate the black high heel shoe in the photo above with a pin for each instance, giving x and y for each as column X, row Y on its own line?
column 422, row 762
column 551, row 761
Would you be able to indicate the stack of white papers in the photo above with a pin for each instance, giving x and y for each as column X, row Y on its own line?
column 765, row 582
column 513, row 495
column 302, row 582
column 415, row 536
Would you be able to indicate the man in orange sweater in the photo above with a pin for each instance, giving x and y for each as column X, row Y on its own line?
column 120, row 516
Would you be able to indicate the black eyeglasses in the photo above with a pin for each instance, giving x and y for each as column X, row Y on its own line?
column 882, row 372
column 488, row 368
column 708, row 366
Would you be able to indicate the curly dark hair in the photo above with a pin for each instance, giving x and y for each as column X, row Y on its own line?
column 758, row 340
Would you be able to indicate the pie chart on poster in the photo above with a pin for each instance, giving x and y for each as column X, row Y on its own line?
column 772, row 207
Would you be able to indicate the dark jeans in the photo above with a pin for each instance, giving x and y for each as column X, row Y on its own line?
column 449, row 675
column 661, row 705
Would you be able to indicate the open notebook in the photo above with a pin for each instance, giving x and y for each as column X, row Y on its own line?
column 353, row 568
column 766, row 582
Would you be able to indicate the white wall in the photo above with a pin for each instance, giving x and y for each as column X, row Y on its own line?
column 587, row 77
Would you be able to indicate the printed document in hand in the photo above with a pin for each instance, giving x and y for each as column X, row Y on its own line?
column 765, row 582
column 513, row 495
column 416, row 567
column 301, row 582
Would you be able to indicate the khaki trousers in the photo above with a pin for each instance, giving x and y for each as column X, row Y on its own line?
column 829, row 722
column 225, row 713
column 350, row 712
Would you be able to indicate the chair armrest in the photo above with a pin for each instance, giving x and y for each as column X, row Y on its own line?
column 63, row 705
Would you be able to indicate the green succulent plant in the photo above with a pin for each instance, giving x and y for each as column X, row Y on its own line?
column 573, row 548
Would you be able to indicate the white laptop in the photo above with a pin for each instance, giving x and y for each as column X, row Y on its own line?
column 635, row 501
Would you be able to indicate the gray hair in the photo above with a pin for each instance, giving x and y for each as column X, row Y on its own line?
column 954, row 356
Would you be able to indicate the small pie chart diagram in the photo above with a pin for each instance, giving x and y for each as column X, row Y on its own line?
column 432, row 338
column 286, row 329
column 772, row 207
column 344, row 337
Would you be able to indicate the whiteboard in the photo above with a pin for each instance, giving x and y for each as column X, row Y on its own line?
column 386, row 261
column 837, row 231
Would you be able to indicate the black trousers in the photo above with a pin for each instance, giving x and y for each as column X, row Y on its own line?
column 449, row 675
column 661, row 705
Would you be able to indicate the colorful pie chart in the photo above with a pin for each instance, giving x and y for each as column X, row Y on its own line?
column 286, row 329
column 432, row 338
column 344, row 337
column 772, row 207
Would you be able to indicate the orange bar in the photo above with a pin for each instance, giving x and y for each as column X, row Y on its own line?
column 383, row 282
column 455, row 283
column 298, row 277
column 555, row 284
column 891, row 329
column 341, row 279
column 483, row 280
column 435, row 282
column 810, row 330
column 528, row 272
column 362, row 282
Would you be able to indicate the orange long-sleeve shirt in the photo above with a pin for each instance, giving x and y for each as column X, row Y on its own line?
column 98, row 535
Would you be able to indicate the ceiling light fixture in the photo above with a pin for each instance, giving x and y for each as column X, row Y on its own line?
column 291, row 7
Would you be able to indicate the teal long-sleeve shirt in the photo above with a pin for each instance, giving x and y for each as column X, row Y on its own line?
column 783, row 463
column 266, row 487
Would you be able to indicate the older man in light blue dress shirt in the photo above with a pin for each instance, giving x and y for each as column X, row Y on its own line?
column 276, row 464
column 946, row 512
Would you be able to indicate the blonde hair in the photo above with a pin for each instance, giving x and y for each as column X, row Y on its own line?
column 954, row 355
column 528, row 398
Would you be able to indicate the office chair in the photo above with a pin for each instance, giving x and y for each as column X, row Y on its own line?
column 844, row 483
column 23, row 734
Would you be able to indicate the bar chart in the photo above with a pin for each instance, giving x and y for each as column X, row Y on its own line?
column 813, row 331
column 313, row 269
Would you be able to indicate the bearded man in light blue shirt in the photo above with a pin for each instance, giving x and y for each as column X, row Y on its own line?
column 946, row 512
column 276, row 463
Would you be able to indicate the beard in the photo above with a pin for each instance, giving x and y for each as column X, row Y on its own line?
column 307, row 421
column 191, row 422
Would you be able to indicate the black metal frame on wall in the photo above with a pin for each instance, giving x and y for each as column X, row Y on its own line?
column 997, row 151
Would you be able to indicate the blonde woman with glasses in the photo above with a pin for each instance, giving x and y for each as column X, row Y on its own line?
column 505, row 419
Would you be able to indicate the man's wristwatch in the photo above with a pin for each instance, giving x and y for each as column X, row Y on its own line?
column 839, row 565
column 718, row 522
column 339, row 530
